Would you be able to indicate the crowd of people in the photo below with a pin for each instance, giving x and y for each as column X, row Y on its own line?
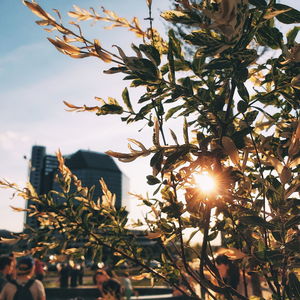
column 18, row 280
column 22, row 279
column 70, row 274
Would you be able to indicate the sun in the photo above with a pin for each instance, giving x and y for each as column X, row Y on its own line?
column 206, row 182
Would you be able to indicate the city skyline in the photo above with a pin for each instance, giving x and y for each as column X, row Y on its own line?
column 88, row 166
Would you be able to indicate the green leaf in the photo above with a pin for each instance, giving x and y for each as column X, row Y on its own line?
column 157, row 160
column 114, row 70
column 291, row 35
column 175, row 157
column 295, row 220
column 208, row 44
column 172, row 111
column 243, row 92
column 126, row 99
column 289, row 17
column 256, row 221
column 185, row 131
column 198, row 63
column 238, row 137
column 175, row 44
column 151, row 52
column 269, row 36
column 176, row 16
column 188, row 86
column 212, row 236
column 219, row 64
column 151, row 180
column 143, row 68
column 110, row 109
column 251, row 116
column 241, row 74
column 171, row 65
column 144, row 111
column 137, row 50
column 242, row 106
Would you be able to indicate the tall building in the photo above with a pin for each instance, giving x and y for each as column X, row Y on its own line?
column 88, row 166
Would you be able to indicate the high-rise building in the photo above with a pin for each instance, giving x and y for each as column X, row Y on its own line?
column 88, row 166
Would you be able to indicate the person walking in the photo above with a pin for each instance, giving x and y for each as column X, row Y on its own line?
column 127, row 286
column 25, row 287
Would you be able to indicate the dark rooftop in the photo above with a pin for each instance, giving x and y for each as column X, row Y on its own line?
column 92, row 160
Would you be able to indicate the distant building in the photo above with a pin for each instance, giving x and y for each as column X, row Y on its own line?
column 88, row 166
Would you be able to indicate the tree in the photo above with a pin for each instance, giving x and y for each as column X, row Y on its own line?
column 240, row 123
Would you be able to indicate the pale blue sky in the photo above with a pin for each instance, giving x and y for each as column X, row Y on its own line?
column 34, row 80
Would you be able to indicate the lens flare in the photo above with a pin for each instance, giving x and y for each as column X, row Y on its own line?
column 206, row 182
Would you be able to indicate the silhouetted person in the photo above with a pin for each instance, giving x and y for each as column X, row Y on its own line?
column 6, row 268
column 74, row 272
column 80, row 273
column 64, row 276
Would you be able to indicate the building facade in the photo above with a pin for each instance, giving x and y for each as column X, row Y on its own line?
column 88, row 166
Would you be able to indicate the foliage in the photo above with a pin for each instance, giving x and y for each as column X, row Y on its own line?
column 240, row 116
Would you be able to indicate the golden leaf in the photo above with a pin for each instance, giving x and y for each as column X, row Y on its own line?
column 276, row 163
column 295, row 83
column 65, row 47
column 256, row 235
column 153, row 235
column 70, row 251
column 38, row 11
column 140, row 277
column 9, row 241
column 231, row 150
column 110, row 13
column 156, row 133
column 100, row 53
column 100, row 100
column 232, row 253
column 108, row 199
column 169, row 239
column 21, row 253
column 272, row 14
column 80, row 108
column 43, row 22
column 138, row 144
column 119, row 154
column 295, row 162
column 149, row 3
column 19, row 209
column 36, row 249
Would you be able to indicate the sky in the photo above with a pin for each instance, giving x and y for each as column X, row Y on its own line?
column 35, row 79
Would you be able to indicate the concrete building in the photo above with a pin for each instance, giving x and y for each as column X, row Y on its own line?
column 88, row 166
